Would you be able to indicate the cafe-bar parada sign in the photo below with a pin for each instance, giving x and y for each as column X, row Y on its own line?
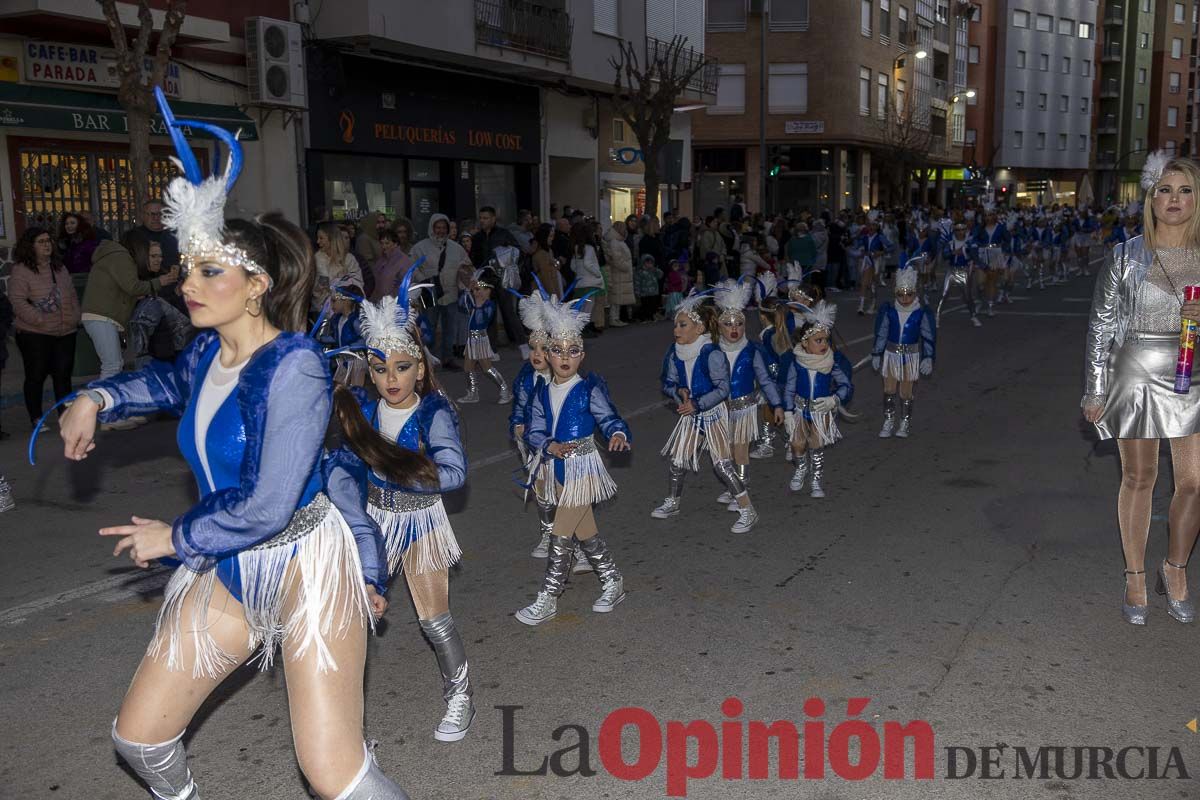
column 83, row 66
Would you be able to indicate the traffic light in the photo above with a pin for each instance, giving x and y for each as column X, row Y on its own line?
column 782, row 162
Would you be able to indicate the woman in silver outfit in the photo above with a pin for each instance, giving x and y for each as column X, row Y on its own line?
column 1132, row 345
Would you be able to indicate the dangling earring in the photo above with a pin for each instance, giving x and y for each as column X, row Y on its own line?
column 257, row 307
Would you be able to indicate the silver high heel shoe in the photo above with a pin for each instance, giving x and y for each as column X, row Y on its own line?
column 1182, row 610
column 1134, row 615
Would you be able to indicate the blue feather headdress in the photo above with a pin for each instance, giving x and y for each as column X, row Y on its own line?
column 533, row 311
column 386, row 325
column 194, row 206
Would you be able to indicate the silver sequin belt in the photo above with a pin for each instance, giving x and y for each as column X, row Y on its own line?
column 398, row 501
column 745, row 401
column 303, row 522
column 581, row 447
column 903, row 348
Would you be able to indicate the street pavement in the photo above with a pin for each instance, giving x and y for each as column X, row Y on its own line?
column 969, row 577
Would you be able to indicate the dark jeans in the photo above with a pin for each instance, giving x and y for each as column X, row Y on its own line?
column 45, row 356
column 513, row 329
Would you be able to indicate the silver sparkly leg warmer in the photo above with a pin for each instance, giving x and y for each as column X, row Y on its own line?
column 727, row 475
column 498, row 379
column 558, row 565
column 451, row 655
column 741, row 470
column 163, row 767
column 372, row 784
column 545, row 516
column 676, row 484
column 601, row 559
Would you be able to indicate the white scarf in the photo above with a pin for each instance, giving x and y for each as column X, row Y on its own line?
column 688, row 353
column 733, row 350
column 822, row 364
column 904, row 312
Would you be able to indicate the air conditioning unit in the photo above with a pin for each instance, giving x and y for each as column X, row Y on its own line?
column 275, row 63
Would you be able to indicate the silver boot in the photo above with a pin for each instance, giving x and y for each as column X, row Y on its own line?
column 727, row 474
column 602, row 561
column 6, row 499
column 545, row 607
column 889, row 417
column 1182, row 610
column 906, row 404
column 162, row 767
column 456, row 684
column 741, row 469
column 501, row 384
column 372, row 784
column 818, row 471
column 472, row 395
column 766, row 441
column 546, row 528
column 801, row 473
column 670, row 506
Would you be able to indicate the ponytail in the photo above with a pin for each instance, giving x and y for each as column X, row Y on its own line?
column 283, row 250
column 709, row 317
column 780, row 340
column 395, row 463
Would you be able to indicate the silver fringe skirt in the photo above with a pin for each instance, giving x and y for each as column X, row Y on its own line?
column 1141, row 401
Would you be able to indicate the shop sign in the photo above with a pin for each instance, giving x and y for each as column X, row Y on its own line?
column 804, row 126
column 84, row 66
column 625, row 155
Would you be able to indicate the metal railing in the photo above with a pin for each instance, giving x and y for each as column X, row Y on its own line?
column 1115, row 16
column 525, row 26
column 1107, row 157
column 1111, row 52
column 1110, row 88
column 704, row 81
column 940, row 90
column 1107, row 123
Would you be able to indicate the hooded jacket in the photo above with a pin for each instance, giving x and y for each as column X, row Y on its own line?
column 446, row 273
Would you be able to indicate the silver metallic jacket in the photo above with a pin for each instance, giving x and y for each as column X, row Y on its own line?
column 1112, row 310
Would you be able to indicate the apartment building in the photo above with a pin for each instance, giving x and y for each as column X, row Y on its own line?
column 1169, row 72
column 1123, row 120
column 484, row 102
column 903, row 61
column 981, row 145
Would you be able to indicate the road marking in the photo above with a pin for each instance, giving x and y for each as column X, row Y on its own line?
column 1077, row 299
column 123, row 587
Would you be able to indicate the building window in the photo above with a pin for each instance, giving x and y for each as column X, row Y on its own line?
column 604, row 17
column 902, row 25
column 1179, row 12
column 789, row 15
column 1041, row 140
column 1139, row 111
column 726, row 15
column 1020, row 19
column 885, row 21
column 1064, row 103
column 969, row 137
column 1139, row 145
column 1170, row 145
column 1173, row 83
column 901, row 94
column 1141, row 75
column 1087, row 68
column 731, row 90
column 976, row 13
column 865, row 22
column 787, row 88
column 1066, row 65
column 1085, row 30
column 1020, row 59
column 1146, row 9
column 864, row 91
column 881, row 97
column 973, row 54
column 1042, row 101
column 1018, row 140
column 618, row 130
column 1083, row 105
column 1045, row 23
column 1144, row 40
column 1172, row 117
column 1083, row 142
column 1066, row 27
column 1062, row 141
column 1019, row 102
column 1177, row 48
column 1044, row 62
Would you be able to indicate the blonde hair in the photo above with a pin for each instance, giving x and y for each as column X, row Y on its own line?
column 1190, row 170
column 338, row 248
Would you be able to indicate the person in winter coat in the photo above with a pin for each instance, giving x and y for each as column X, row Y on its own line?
column 588, row 276
column 6, row 321
column 47, row 311
column 334, row 262
column 77, row 240
column 620, row 270
column 443, row 257
column 113, row 290
column 545, row 265
column 367, row 245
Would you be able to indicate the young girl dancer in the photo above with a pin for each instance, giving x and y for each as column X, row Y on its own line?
column 696, row 375
column 534, row 373
column 565, row 415
column 772, row 317
column 814, row 388
column 481, row 310
column 905, row 338
column 748, row 374
column 267, row 559
column 874, row 247
column 960, row 256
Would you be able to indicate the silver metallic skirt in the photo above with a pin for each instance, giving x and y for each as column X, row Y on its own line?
column 1141, row 401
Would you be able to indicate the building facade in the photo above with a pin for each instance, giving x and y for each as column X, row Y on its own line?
column 1169, row 75
column 1123, row 121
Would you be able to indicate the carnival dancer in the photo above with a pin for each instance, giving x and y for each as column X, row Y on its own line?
column 481, row 310
column 1124, row 232
column 533, row 373
column 814, row 388
column 1085, row 234
column 267, row 560
column 565, row 415
column 874, row 247
column 1062, row 251
column 696, row 376
column 341, row 331
column 992, row 241
column 927, row 251
column 748, row 377
column 959, row 254
column 773, row 321
column 1041, row 240
column 904, row 350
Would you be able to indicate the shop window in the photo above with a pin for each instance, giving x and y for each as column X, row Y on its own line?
column 357, row 185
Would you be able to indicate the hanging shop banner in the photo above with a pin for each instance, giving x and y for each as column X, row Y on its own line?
column 83, row 66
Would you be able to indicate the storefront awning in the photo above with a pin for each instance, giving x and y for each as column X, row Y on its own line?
column 28, row 106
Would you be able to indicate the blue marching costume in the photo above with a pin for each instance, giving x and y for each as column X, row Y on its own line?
column 569, row 414
column 960, row 256
column 813, row 389
column 479, row 347
column 702, row 370
column 904, row 349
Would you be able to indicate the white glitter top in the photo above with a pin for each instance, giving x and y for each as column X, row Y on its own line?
column 1157, row 306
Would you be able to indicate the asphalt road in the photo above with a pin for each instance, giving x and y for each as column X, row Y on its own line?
column 969, row 577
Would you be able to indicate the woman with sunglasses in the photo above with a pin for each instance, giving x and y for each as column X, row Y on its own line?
column 905, row 340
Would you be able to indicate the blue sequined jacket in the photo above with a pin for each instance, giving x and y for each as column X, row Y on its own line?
column 751, row 371
column 920, row 327
column 433, row 430
column 524, row 387
column 710, row 377
column 480, row 316
column 587, row 406
column 810, row 385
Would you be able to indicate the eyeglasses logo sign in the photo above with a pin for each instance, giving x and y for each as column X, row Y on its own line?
column 346, row 124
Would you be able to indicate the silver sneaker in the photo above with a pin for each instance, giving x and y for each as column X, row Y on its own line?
column 614, row 592
column 543, row 547
column 460, row 713
column 889, row 427
column 724, row 498
column 762, row 450
column 544, row 608
column 799, row 476
column 6, row 499
column 581, row 562
column 903, row 431
column 669, row 508
column 747, row 518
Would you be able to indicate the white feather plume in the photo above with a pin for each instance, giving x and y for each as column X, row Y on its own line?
column 795, row 272
column 767, row 286
column 565, row 320
column 196, row 212
column 385, row 326
column 1153, row 169
column 691, row 303
column 732, row 295
column 906, row 279
column 533, row 312
column 823, row 315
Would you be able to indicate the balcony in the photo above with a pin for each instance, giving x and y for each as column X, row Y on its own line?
column 1115, row 16
column 704, row 82
column 1173, row 90
column 526, row 27
column 1106, row 159
column 1110, row 88
column 937, row 144
column 1107, row 124
column 1111, row 52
